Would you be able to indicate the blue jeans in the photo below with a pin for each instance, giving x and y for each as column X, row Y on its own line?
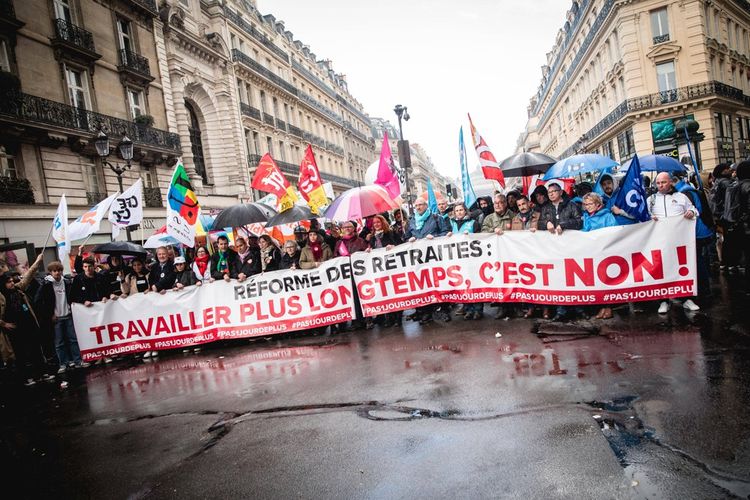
column 66, row 343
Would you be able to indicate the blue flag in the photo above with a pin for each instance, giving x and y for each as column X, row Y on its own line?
column 631, row 197
column 469, row 196
column 431, row 198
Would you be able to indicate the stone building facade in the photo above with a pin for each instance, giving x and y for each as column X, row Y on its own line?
column 213, row 82
column 622, row 72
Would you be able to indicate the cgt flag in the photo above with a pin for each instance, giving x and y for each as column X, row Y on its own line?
column 309, row 182
column 127, row 208
column 60, row 230
column 269, row 179
column 631, row 197
column 182, row 207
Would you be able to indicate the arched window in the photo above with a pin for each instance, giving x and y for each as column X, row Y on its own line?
column 196, row 143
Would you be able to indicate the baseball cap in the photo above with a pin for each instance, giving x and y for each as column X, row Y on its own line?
column 179, row 260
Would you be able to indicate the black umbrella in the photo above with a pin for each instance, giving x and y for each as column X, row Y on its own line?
column 242, row 215
column 523, row 164
column 295, row 214
column 121, row 248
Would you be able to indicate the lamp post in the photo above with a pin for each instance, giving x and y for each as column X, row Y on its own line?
column 404, row 157
column 126, row 152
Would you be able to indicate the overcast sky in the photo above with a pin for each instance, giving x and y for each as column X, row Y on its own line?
column 440, row 58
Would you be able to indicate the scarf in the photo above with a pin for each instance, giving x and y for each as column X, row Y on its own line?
column 202, row 263
column 343, row 247
column 419, row 220
column 222, row 265
column 317, row 250
column 243, row 255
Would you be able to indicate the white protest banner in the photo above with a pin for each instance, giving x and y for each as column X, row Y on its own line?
column 268, row 303
column 648, row 261
column 127, row 208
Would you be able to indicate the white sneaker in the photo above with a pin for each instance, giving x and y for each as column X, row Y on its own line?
column 107, row 360
column 154, row 354
column 29, row 382
column 663, row 307
column 62, row 369
column 83, row 364
column 691, row 306
column 146, row 354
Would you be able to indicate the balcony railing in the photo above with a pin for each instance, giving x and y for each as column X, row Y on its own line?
column 650, row 101
column 134, row 62
column 353, row 110
column 32, row 109
column 296, row 131
column 661, row 39
column 348, row 126
column 152, row 197
column 247, row 28
column 243, row 58
column 147, row 5
column 250, row 111
column 268, row 119
column 13, row 190
column 320, row 107
column 339, row 180
column 72, row 34
column 280, row 124
column 308, row 74
column 314, row 139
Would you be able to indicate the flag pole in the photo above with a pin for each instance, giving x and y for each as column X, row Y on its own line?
column 51, row 227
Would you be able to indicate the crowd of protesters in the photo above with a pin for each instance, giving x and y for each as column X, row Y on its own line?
column 36, row 314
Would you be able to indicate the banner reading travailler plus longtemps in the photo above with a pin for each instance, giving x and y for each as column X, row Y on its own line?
column 648, row 261
column 265, row 304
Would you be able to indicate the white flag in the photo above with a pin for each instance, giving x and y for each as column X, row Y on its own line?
column 60, row 230
column 127, row 208
column 88, row 223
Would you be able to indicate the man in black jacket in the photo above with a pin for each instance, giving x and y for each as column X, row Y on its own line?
column 559, row 214
column 225, row 264
column 89, row 286
column 162, row 273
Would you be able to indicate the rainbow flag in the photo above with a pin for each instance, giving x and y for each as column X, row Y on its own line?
column 182, row 207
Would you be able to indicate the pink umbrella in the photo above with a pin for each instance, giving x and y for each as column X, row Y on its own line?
column 360, row 202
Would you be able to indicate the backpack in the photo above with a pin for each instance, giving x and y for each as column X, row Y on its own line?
column 732, row 204
column 706, row 217
column 716, row 194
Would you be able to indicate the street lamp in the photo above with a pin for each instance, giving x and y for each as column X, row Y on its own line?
column 404, row 157
column 126, row 152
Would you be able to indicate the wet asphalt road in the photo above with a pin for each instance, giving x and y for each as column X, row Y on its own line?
column 645, row 407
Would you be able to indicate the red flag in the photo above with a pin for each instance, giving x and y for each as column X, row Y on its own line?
column 386, row 176
column 309, row 183
column 490, row 167
column 268, row 178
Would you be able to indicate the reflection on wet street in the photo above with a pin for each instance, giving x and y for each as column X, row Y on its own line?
column 639, row 407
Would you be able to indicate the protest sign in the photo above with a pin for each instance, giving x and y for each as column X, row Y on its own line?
column 264, row 304
column 649, row 261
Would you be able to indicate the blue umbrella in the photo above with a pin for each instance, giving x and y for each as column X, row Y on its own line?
column 657, row 163
column 578, row 164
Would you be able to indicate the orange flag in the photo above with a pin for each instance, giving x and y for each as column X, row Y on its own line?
column 269, row 179
column 310, row 184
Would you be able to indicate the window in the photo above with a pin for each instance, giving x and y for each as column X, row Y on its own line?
column 7, row 164
column 233, row 40
column 263, row 101
column 666, row 78
column 185, row 3
column 256, row 142
column 196, row 142
column 124, row 35
column 660, row 25
column 78, row 88
column 269, row 145
column 63, row 11
column 282, row 153
column 241, row 91
column 4, row 56
column 136, row 103
column 94, row 191
column 275, row 107
column 626, row 145
column 149, row 177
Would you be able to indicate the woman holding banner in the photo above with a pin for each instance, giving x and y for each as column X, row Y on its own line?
column 597, row 216
column 316, row 251
column 270, row 257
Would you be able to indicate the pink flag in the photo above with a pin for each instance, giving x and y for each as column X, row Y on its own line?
column 386, row 176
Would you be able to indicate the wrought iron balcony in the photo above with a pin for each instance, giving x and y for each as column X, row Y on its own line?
column 353, row 110
column 650, row 101
column 243, row 58
column 362, row 137
column 308, row 99
column 74, row 38
column 337, row 179
column 248, row 28
column 268, row 119
column 314, row 139
column 147, row 6
column 250, row 111
column 280, row 124
column 310, row 76
column 29, row 109
column 135, row 64
column 17, row 191
column 152, row 197
column 661, row 39
column 296, row 131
